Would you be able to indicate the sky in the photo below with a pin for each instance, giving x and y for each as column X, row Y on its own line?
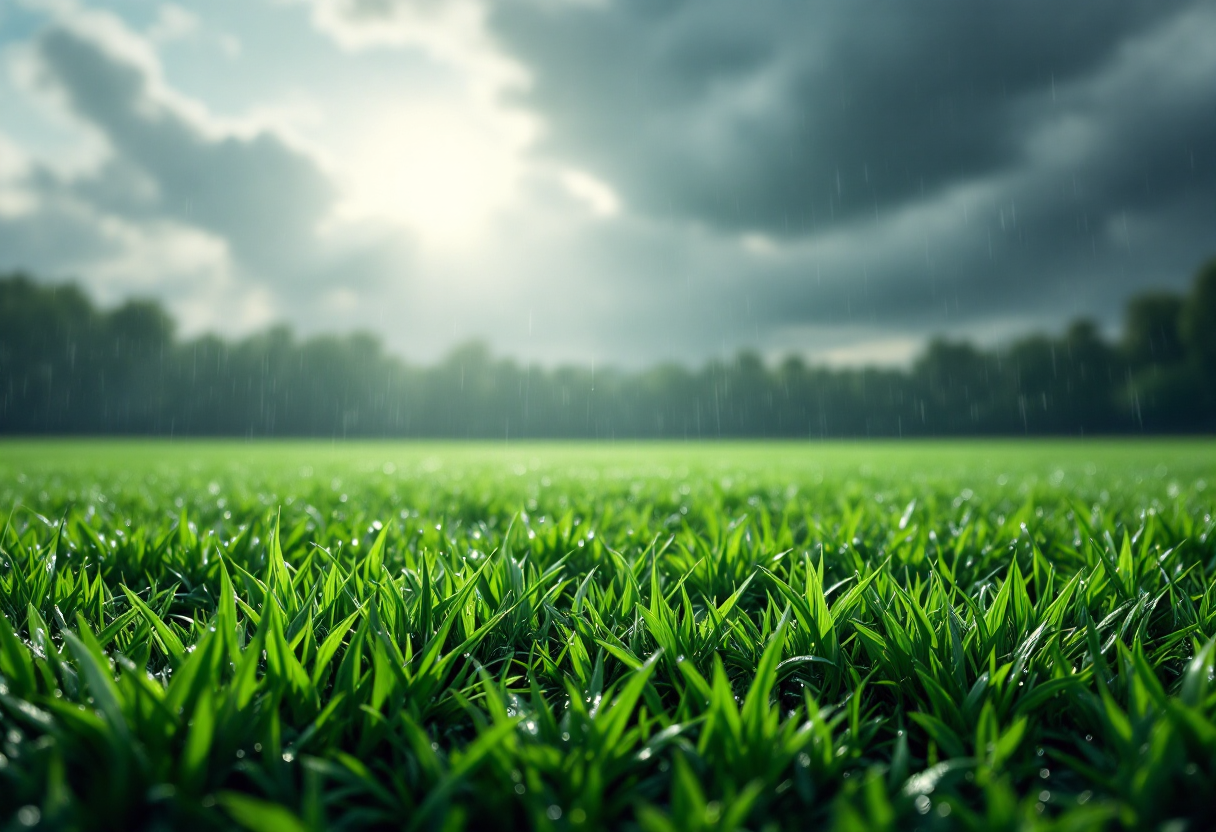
column 616, row 182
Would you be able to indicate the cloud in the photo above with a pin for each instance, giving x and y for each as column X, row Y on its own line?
column 66, row 237
column 171, row 160
column 182, row 203
column 12, row 159
column 597, row 196
column 632, row 180
column 782, row 173
column 172, row 23
column 910, row 166
column 781, row 116
column 450, row 31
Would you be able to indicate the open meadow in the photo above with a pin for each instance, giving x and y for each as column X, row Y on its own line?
column 315, row 635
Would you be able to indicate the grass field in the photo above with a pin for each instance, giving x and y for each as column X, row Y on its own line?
column 379, row 636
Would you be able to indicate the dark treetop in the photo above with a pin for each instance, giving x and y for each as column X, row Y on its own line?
column 67, row 367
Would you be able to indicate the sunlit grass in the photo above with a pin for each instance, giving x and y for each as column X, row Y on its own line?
column 867, row 636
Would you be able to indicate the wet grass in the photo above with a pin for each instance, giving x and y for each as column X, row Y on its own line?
column 318, row 636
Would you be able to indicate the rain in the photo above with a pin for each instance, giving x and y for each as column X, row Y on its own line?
column 607, row 414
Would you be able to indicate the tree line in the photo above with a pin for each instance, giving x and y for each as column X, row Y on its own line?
column 69, row 367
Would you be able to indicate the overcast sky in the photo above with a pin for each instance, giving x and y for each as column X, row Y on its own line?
column 621, row 182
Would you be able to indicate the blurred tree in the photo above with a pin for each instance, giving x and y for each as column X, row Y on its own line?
column 1152, row 330
column 68, row 367
column 1160, row 392
column 954, row 386
column 1094, row 371
column 139, row 328
column 1198, row 325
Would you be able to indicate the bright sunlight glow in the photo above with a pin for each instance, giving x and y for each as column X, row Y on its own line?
column 441, row 173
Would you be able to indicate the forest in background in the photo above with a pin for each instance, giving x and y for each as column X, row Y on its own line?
column 68, row 367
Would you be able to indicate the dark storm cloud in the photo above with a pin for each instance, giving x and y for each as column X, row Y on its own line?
column 926, row 163
column 776, row 115
column 261, row 196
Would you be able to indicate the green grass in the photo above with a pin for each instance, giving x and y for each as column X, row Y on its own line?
column 854, row 636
